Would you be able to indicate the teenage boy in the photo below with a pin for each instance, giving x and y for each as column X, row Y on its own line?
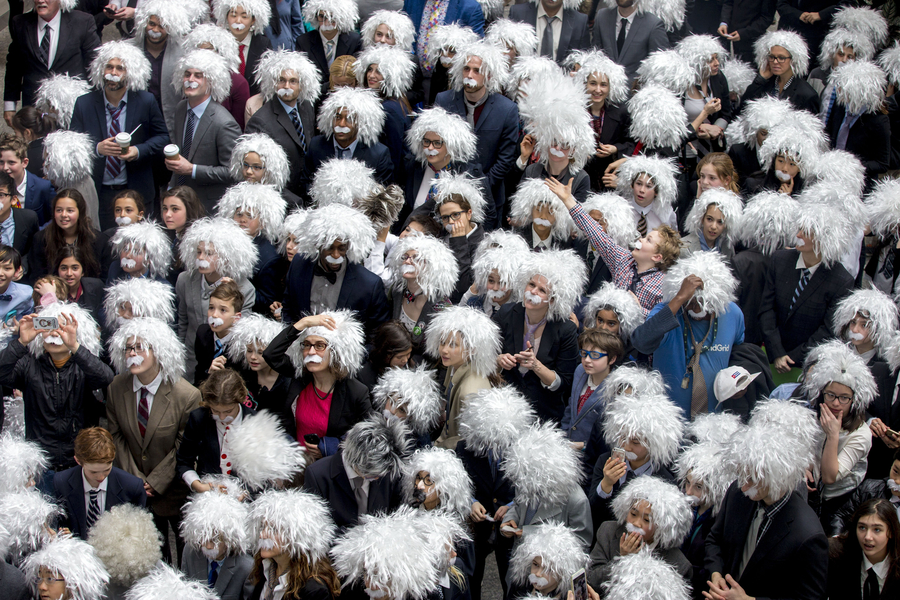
column 15, row 298
column 225, row 303
column 33, row 192
column 95, row 485
column 18, row 226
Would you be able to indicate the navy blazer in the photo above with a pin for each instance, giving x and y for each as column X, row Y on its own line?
column 26, row 227
column 268, row 275
column 89, row 116
column 574, row 35
column 39, row 194
column 199, row 449
column 205, row 351
column 491, row 488
column 869, row 139
column 123, row 488
column 348, row 43
column 799, row 93
column 578, row 425
column 465, row 13
column 377, row 157
column 259, row 43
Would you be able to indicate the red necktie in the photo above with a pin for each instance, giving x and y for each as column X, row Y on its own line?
column 243, row 64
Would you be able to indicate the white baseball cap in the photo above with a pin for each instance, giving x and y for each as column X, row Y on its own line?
column 731, row 380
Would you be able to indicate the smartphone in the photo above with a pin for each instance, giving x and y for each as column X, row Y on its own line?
column 619, row 453
column 311, row 439
column 46, row 323
column 892, row 433
column 579, row 585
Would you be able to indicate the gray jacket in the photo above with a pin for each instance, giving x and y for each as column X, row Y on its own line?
column 169, row 94
column 645, row 35
column 607, row 548
column 232, row 582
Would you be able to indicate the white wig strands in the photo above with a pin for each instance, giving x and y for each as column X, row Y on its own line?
column 171, row 14
column 698, row 51
column 790, row 41
column 837, row 40
column 301, row 520
column 670, row 12
column 165, row 583
column 532, row 194
column 67, row 5
column 391, row 553
column 792, row 142
column 26, row 516
column 456, row 133
column 865, row 21
column 292, row 224
column 73, row 560
column 643, row 575
column 88, row 334
column 273, row 63
column 738, row 74
column 560, row 550
column 340, row 181
column 729, row 203
column 260, row 200
column 719, row 283
column 527, row 68
column 346, row 343
column 878, row 308
column 451, row 481
column 769, row 221
column 167, row 348
column 503, row 252
column 617, row 214
column 631, row 380
column 832, row 234
column 860, row 86
column 235, row 251
column 478, row 335
column 713, row 427
column 148, row 239
column 493, row 66
column 491, row 9
column 573, row 4
column 796, row 419
column 667, row 69
column 449, row 186
column 68, row 158
column 555, row 113
column 519, row 36
column 214, row 517
column 763, row 114
column 376, row 448
column 662, row 172
column 395, row 65
column 127, row 542
column 658, row 118
column 323, row 226
column 344, row 13
column 271, row 155
column 213, row 67
column 450, row 37
column 263, row 454
column 20, row 462
column 416, row 391
column 542, row 466
column 435, row 265
column 702, row 463
column 493, row 419
column 883, row 206
column 670, row 508
column 363, row 108
column 147, row 297
column 402, row 28
column 841, row 171
column 251, row 330
column 889, row 60
column 224, row 44
column 259, row 10
column 619, row 301
column 57, row 94
column 651, row 418
column 596, row 62
column 382, row 206
column 566, row 276
column 838, row 363
column 137, row 66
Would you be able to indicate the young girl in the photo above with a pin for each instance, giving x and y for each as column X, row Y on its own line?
column 87, row 292
column 70, row 226
column 66, row 568
column 32, row 125
column 864, row 562
column 68, row 163
column 143, row 250
column 495, row 271
column 716, row 170
column 712, row 224
column 460, row 206
column 392, row 347
column 250, row 336
column 613, row 309
column 180, row 207
column 128, row 207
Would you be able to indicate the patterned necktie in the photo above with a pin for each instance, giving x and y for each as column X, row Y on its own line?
column 547, row 38
column 844, row 132
column 887, row 269
column 93, row 508
column 243, row 66
column 591, row 259
column 188, row 140
column 831, row 101
column 220, row 348
column 699, row 393
column 343, row 153
column 213, row 574
column 295, row 119
column 143, row 412
column 271, row 582
column 45, row 45
column 114, row 164
column 329, row 51
column 620, row 40
column 804, row 279
column 642, row 225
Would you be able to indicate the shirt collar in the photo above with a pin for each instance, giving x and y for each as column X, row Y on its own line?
column 220, row 426
column 351, row 147
column 772, row 509
column 122, row 102
column 629, row 18
column 54, row 22
column 536, row 240
column 268, row 567
column 200, row 108
column 87, row 486
column 881, row 568
column 644, row 210
column 226, row 338
column 646, row 468
column 326, row 40
column 288, row 109
column 801, row 264
column 24, row 187
column 152, row 387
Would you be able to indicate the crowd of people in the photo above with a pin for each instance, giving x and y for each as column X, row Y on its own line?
column 309, row 299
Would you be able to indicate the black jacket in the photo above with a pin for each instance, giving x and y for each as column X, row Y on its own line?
column 311, row 43
column 274, row 122
column 616, row 122
column 311, row 590
column 601, row 508
column 199, row 449
column 750, row 266
column 491, row 489
column 750, row 18
column 869, row 139
column 122, row 488
column 844, row 579
column 259, row 43
column 869, row 489
column 205, row 351
column 799, row 93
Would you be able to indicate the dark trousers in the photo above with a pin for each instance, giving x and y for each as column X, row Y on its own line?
column 485, row 543
column 165, row 525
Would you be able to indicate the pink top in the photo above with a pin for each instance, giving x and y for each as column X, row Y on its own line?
column 311, row 413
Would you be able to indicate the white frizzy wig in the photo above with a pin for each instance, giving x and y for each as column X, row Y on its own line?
column 235, row 251
column 262, row 453
column 127, row 542
column 166, row 583
column 260, row 200
column 392, row 553
column 401, row 26
column 617, row 214
column 224, row 44
column 878, row 308
column 573, row 4
column 26, row 516
column 667, row 69
column 449, row 37
column 494, row 418
column 363, row 107
column 251, row 329
column 491, row 9
column 214, row 69
column 323, row 226
column 698, row 51
column 566, row 276
column 560, row 550
column 609, row 297
column 346, row 343
column 382, row 206
column 542, row 466
column 147, row 297
column 501, row 251
column 769, row 221
column 719, row 283
column 167, row 348
column 670, row 12
column 842, row 171
column 640, row 380
column 889, row 60
column 435, row 265
column 344, row 13
column 57, row 95
column 643, row 575
column 20, row 462
column 519, row 36
column 658, row 118
column 790, row 41
column 214, row 516
column 450, row 184
column 651, row 418
column 704, row 465
column 395, row 65
column 528, row 68
column 766, row 114
column 493, row 66
column 342, row 181
column 171, row 15
column 68, row 158
column 301, row 520
column 479, row 336
column 68, row 5
column 375, row 448
column 416, row 391
column 837, row 39
column 88, row 334
column 258, row 9
column 555, row 113
column 883, row 206
column 713, row 427
column 865, row 21
column 795, row 419
column 271, row 155
column 860, row 86
column 596, row 61
column 670, row 508
column 836, row 362
column 273, row 63
column 148, row 239
column 792, row 142
column 73, row 560
column 534, row 193
column 729, row 203
column 662, row 171
column 738, row 74
column 458, row 136
column 137, row 66
column 451, row 481
column 832, row 233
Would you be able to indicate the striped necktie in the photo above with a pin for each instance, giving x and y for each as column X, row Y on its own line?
column 45, row 45
column 642, row 225
column 804, row 279
column 93, row 508
column 188, row 141
column 114, row 164
column 143, row 412
column 295, row 119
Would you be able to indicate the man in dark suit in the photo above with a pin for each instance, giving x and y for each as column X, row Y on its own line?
column 247, row 28
column 34, row 55
column 12, row 583
column 34, row 193
column 333, row 36
column 105, row 13
column 743, row 22
column 628, row 37
column 867, row 136
column 568, row 27
column 809, row 18
column 119, row 105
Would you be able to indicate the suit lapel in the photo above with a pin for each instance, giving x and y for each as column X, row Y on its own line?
column 609, row 25
column 284, row 120
column 157, row 411
column 485, row 112
column 343, row 44
column 130, row 408
column 817, row 279
column 636, row 24
column 518, row 330
column 76, row 501
column 114, row 496
column 777, row 531
column 180, row 114
column 548, row 340
column 62, row 39
column 565, row 35
column 339, row 476
column 317, row 51
column 202, row 126
column 31, row 33
column 226, row 572
column 18, row 232
column 347, row 285
column 100, row 110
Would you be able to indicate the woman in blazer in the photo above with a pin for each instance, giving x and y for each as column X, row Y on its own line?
column 867, row 557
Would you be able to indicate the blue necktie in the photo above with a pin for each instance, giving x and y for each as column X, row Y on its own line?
column 804, row 279
column 220, row 348
column 213, row 574
column 295, row 119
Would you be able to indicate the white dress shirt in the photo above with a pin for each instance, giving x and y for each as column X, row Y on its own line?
column 653, row 220
column 223, row 430
column 629, row 21
column 152, row 388
column 425, row 186
column 537, row 242
column 881, row 571
column 801, row 264
column 101, row 497
column 281, row 586
column 22, row 189
column 556, row 27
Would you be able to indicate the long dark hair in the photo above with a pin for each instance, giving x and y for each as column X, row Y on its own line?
column 391, row 338
column 55, row 239
column 88, row 268
column 31, row 118
column 301, row 571
column 846, row 546
column 853, row 420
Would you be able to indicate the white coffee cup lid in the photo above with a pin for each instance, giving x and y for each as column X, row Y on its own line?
column 171, row 150
column 123, row 137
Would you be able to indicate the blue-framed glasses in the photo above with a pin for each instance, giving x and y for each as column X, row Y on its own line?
column 592, row 354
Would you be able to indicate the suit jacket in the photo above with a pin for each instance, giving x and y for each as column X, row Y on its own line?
column 465, row 13
column 204, row 353
column 575, row 513
column 311, row 590
column 92, row 292
column 169, row 96
column 141, row 113
column 211, row 146
column 601, row 508
column 794, row 330
column 414, row 172
column 789, row 12
column 122, row 488
column 23, row 235
column 750, row 266
column 152, row 457
column 25, row 66
column 869, row 139
column 377, row 157
column 616, row 123
column 799, row 93
column 259, row 43
column 491, row 487
column 199, row 450
column 750, row 18
column 574, row 34
column 578, row 425
column 844, row 579
column 12, row 583
column 646, row 34
column 274, row 122
column 606, row 549
column 233, row 576
column 311, row 43
column 39, row 193
column 790, row 560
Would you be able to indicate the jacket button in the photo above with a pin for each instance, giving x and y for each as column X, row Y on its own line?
column 495, row 501
column 574, row 428
column 143, row 458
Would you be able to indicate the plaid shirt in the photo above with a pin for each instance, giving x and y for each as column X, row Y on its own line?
column 647, row 286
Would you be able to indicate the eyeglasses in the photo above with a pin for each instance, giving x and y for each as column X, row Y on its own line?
column 137, row 349
column 436, row 144
column 256, row 168
column 779, row 59
column 592, row 354
column 319, row 346
column 4, row 195
column 451, row 218
column 426, row 479
column 844, row 400
column 48, row 580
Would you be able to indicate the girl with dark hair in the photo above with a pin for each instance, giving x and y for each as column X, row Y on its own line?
column 128, row 207
column 391, row 347
column 179, row 208
column 864, row 561
column 32, row 125
column 71, row 266
column 70, row 226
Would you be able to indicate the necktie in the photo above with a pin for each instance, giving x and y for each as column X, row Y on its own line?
column 804, row 279
column 243, row 66
column 45, row 45
column 271, row 582
column 547, row 38
column 343, row 153
column 699, row 393
column 143, row 412
column 362, row 501
column 329, row 51
column 8, row 297
column 591, row 259
column 887, row 269
column 213, row 574
column 844, row 131
column 494, row 462
column 620, row 39
column 188, row 140
column 114, row 164
column 220, row 348
column 331, row 276
column 295, row 119
column 870, row 589
column 584, row 398
column 642, row 225
column 94, row 508
column 830, row 105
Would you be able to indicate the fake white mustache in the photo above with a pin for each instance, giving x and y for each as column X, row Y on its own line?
column 557, row 153
column 798, row 241
column 265, row 544
column 495, row 294
column 53, row 339
column 752, row 492
column 431, row 152
column 215, row 321
column 238, row 26
column 341, row 129
column 533, row 298
column 407, row 269
column 782, row 176
column 638, row 245
column 631, row 456
column 543, row 222
column 121, row 321
column 893, row 485
column 857, row 337
column 284, row 92
column 154, row 35
column 202, row 264
column 632, row 529
column 210, row 554
column 334, row 261
column 134, row 361
column 468, row 81
column 312, row 358
column 375, row 593
column 446, row 61
column 694, row 500
column 113, row 78
column 122, row 221
column 536, row 581
column 324, row 27
column 697, row 315
column 191, row 85
column 128, row 263
column 390, row 417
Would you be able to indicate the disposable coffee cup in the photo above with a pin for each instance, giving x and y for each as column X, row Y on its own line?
column 124, row 140
column 171, row 151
